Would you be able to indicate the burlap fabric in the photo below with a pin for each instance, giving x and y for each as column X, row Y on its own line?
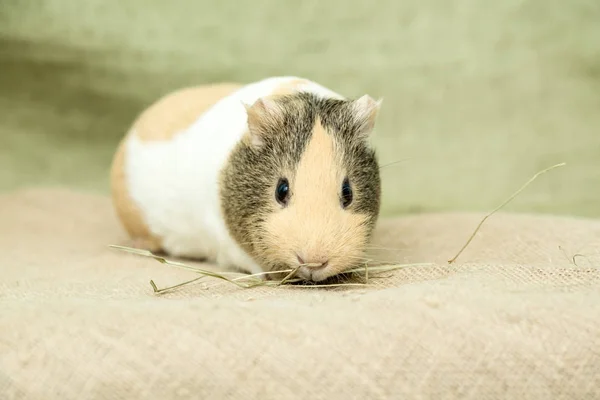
column 515, row 318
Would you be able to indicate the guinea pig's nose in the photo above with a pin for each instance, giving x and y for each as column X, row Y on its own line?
column 313, row 262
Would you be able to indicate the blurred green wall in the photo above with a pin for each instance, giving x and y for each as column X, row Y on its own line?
column 481, row 93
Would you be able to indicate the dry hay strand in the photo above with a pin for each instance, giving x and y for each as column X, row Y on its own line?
column 502, row 205
column 347, row 278
column 246, row 281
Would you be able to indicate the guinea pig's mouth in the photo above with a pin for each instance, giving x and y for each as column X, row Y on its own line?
column 328, row 272
column 315, row 274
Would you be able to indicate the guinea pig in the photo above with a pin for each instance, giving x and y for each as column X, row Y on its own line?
column 273, row 175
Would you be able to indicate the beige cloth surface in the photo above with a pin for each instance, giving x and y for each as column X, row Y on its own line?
column 514, row 318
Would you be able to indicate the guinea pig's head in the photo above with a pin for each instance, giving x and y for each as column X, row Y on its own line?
column 302, row 188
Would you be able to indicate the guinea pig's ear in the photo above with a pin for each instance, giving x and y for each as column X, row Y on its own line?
column 365, row 111
column 263, row 115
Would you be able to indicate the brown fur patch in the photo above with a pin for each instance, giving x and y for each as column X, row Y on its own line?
column 289, row 87
column 178, row 110
column 161, row 121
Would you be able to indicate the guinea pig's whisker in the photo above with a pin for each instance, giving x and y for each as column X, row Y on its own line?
column 396, row 162
column 311, row 265
column 384, row 268
column 360, row 258
column 375, row 260
column 381, row 248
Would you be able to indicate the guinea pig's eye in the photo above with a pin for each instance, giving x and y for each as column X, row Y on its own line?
column 346, row 193
column 282, row 191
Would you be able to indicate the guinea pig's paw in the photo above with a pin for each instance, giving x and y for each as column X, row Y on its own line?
column 262, row 277
column 259, row 276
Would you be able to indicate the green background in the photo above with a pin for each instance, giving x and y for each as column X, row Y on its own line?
column 480, row 94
